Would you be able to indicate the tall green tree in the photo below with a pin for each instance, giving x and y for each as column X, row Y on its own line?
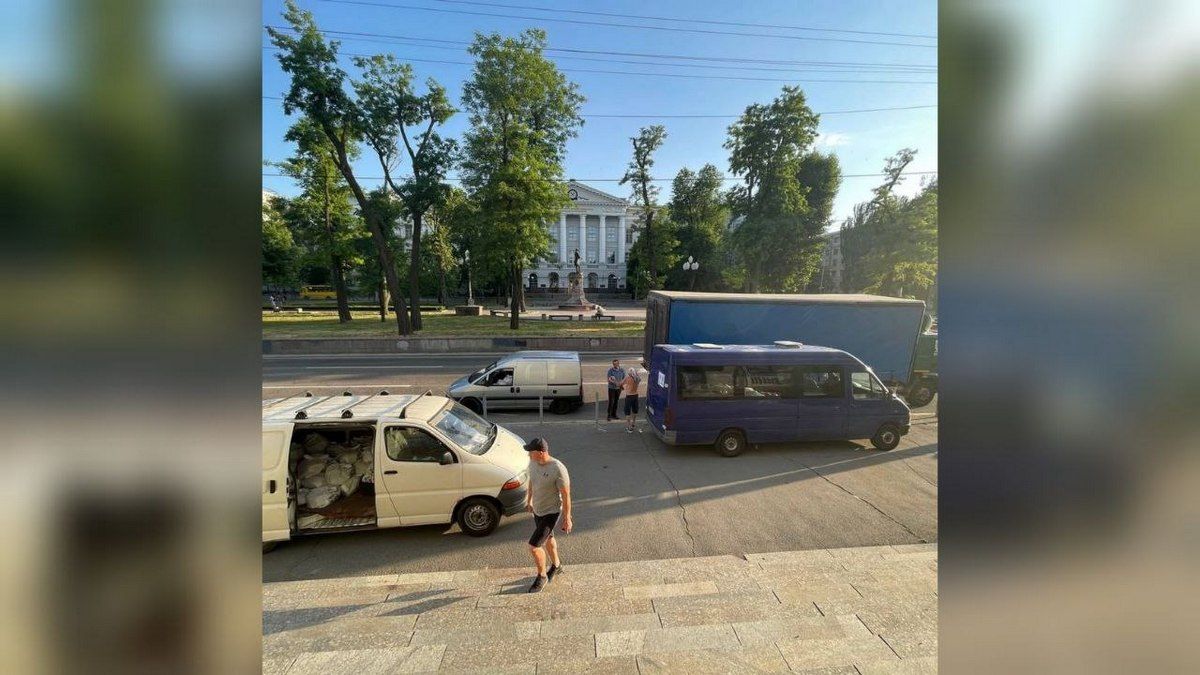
column 317, row 90
column 699, row 215
column 645, row 193
column 820, row 176
column 397, row 122
column 522, row 111
column 321, row 216
column 280, row 257
column 774, row 239
column 889, row 244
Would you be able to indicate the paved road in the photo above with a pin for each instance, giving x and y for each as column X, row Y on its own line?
column 637, row 499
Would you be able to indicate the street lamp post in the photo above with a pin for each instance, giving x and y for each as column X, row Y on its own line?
column 470, row 291
column 690, row 265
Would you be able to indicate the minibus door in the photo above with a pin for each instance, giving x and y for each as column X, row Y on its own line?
column 822, row 411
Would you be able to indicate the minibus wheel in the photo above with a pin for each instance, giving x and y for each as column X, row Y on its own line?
column 731, row 443
column 478, row 517
column 886, row 438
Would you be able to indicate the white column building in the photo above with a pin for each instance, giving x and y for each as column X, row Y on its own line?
column 571, row 232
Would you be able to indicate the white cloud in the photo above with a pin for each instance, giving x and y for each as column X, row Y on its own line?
column 832, row 139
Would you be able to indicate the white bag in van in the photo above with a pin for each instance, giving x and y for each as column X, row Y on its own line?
column 315, row 443
column 314, row 481
column 310, row 467
column 350, row 486
column 319, row 498
column 337, row 473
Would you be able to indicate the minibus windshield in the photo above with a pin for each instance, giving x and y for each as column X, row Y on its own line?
column 479, row 373
column 470, row 431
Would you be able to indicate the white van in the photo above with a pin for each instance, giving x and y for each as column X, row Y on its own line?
column 338, row 463
column 519, row 379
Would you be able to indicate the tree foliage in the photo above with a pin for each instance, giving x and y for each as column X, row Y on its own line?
column 522, row 112
column 280, row 255
column 889, row 244
column 699, row 214
column 645, row 196
column 776, row 239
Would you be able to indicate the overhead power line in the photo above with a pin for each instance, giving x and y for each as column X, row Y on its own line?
column 687, row 20
column 391, row 38
column 618, row 180
column 659, row 116
column 630, row 25
column 678, row 75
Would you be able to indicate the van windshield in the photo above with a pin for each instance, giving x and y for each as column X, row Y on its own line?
column 479, row 373
column 470, row 431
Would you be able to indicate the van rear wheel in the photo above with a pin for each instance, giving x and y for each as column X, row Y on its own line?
column 886, row 438
column 731, row 443
column 478, row 517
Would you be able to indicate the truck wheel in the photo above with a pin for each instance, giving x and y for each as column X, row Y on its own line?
column 920, row 394
column 886, row 438
column 731, row 443
column 473, row 405
column 560, row 406
column 478, row 517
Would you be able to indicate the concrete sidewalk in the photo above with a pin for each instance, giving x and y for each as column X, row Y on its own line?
column 852, row 610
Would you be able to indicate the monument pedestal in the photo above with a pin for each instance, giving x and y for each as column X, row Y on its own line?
column 468, row 310
column 576, row 299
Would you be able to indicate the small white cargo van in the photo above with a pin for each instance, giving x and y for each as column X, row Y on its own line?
column 338, row 463
column 521, row 379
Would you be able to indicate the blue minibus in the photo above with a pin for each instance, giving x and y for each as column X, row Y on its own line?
column 731, row 395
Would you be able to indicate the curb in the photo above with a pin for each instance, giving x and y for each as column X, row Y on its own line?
column 448, row 345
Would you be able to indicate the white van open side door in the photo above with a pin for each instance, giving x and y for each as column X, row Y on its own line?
column 279, row 502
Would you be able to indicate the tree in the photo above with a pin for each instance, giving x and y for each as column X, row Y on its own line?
column 642, row 258
column 699, row 215
column 317, row 90
column 442, row 255
column 820, row 176
column 889, row 244
column 645, row 193
column 522, row 111
column 321, row 215
column 279, row 251
column 774, row 239
column 392, row 112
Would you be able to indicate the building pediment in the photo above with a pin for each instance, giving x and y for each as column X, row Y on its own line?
column 585, row 195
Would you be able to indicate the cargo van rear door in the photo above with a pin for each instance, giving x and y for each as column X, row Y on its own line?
column 279, row 504
column 530, row 381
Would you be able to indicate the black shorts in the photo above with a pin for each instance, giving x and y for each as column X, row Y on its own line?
column 543, row 528
column 631, row 401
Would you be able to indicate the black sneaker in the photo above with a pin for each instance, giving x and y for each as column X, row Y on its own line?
column 554, row 569
column 538, row 584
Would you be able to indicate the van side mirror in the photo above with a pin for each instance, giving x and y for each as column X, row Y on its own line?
column 447, row 458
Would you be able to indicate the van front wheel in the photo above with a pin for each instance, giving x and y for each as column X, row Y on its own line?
column 731, row 443
column 560, row 406
column 478, row 517
column 886, row 438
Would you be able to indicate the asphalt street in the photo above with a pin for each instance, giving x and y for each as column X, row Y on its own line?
column 635, row 498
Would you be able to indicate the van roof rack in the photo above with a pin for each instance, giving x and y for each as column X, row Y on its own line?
column 788, row 343
column 706, row 345
column 271, row 404
column 302, row 415
column 348, row 413
column 428, row 392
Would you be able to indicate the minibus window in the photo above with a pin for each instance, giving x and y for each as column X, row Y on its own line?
column 865, row 387
column 699, row 383
column 769, row 382
column 821, row 381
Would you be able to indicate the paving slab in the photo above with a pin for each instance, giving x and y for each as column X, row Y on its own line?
column 369, row 661
column 806, row 654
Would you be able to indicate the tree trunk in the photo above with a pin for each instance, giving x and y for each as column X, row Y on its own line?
column 339, row 287
column 414, row 273
column 441, row 285
column 383, row 299
column 514, row 317
column 376, row 228
column 650, row 249
column 521, row 292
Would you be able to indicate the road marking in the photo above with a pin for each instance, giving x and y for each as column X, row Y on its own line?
column 362, row 367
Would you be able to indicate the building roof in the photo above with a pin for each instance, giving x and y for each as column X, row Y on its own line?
column 363, row 407
column 586, row 195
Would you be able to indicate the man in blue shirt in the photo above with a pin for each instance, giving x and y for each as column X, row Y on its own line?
column 615, row 376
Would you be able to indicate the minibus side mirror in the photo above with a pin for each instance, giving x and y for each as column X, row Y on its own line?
column 447, row 458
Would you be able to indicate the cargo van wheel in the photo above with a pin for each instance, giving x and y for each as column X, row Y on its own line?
column 560, row 406
column 473, row 405
column 478, row 517
column 731, row 443
column 886, row 438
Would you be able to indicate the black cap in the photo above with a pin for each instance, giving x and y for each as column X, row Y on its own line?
column 536, row 445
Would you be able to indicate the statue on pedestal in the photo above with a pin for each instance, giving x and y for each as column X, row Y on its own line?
column 575, row 295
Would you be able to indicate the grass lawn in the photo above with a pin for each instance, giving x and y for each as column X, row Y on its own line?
column 320, row 324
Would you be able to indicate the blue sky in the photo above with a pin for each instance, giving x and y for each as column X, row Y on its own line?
column 862, row 141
